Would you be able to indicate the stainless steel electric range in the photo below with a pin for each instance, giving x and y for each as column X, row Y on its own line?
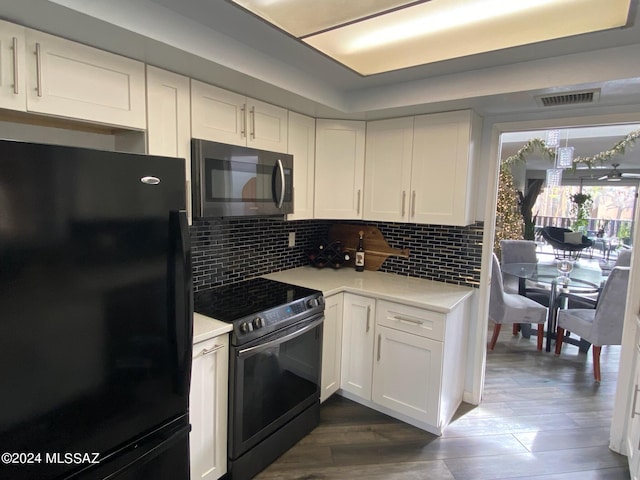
column 275, row 360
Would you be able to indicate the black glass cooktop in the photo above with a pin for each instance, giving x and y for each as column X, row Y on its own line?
column 235, row 301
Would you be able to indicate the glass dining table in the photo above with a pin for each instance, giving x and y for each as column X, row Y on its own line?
column 561, row 277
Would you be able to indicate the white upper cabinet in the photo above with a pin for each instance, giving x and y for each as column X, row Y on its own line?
column 419, row 169
column 387, row 186
column 169, row 118
column 12, row 67
column 168, row 112
column 444, row 146
column 302, row 145
column 340, row 146
column 67, row 79
column 227, row 117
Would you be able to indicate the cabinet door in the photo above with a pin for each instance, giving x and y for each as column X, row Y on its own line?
column 388, row 170
column 331, row 346
column 217, row 114
column 12, row 67
column 407, row 374
column 302, row 145
column 71, row 80
column 357, row 345
column 441, row 179
column 169, row 118
column 267, row 126
column 208, row 408
column 633, row 432
column 339, row 169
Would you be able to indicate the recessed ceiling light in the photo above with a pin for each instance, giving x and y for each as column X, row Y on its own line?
column 374, row 36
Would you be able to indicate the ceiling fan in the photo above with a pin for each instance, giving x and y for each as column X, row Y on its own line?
column 615, row 176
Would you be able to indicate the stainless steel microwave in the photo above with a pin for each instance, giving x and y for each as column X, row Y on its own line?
column 235, row 181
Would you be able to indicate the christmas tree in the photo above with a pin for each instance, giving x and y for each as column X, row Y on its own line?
column 509, row 222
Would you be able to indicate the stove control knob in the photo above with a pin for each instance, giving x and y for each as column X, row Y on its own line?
column 246, row 327
column 313, row 302
column 258, row 322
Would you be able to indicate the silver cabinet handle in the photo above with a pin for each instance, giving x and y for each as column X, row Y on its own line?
column 282, row 189
column 404, row 201
column 243, row 120
column 209, row 351
column 358, row 205
column 413, row 204
column 408, row 320
column 15, row 66
column 38, row 70
column 368, row 317
column 379, row 342
column 253, row 122
column 635, row 398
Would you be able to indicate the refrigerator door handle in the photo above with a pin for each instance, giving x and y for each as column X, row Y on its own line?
column 181, row 292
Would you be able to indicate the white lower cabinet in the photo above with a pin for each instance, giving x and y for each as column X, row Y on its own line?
column 357, row 344
column 331, row 346
column 633, row 431
column 208, row 408
column 404, row 361
column 406, row 374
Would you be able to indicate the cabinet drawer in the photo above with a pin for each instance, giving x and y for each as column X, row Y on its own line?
column 418, row 321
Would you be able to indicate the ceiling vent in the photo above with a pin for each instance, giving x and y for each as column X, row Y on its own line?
column 569, row 98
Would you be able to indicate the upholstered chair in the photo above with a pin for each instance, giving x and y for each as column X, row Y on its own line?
column 624, row 258
column 522, row 251
column 512, row 308
column 602, row 325
column 516, row 251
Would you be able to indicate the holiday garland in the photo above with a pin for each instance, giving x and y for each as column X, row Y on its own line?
column 602, row 157
column 509, row 222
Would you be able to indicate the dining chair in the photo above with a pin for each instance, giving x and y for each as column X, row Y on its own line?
column 511, row 307
column 522, row 251
column 516, row 251
column 601, row 325
column 624, row 258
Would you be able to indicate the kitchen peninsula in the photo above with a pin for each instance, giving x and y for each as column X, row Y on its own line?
column 394, row 343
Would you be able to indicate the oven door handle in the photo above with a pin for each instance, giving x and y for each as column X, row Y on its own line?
column 277, row 341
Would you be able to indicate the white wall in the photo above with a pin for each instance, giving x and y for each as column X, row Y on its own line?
column 55, row 136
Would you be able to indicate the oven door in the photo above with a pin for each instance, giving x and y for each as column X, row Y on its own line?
column 273, row 379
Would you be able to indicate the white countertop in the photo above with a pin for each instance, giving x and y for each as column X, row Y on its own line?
column 417, row 292
column 437, row 296
column 205, row 328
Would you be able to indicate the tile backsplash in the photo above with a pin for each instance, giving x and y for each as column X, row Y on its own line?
column 231, row 250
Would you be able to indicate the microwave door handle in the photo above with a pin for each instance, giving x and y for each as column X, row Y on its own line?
column 282, row 185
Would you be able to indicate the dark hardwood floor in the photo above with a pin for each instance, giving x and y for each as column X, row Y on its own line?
column 542, row 417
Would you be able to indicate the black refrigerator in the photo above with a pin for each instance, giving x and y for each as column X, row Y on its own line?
column 95, row 315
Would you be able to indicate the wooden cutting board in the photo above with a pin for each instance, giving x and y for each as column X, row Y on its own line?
column 376, row 248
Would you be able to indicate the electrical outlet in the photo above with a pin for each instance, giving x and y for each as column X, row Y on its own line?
column 292, row 239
